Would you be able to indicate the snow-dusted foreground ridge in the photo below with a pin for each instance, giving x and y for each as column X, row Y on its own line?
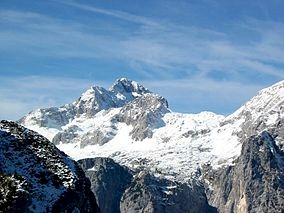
column 135, row 127
column 37, row 177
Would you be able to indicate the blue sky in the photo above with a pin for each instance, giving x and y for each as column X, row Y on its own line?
column 199, row 54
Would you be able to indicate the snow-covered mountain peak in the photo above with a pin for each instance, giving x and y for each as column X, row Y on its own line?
column 129, row 123
column 98, row 98
column 125, row 87
column 277, row 87
column 92, row 92
column 266, row 105
column 94, row 100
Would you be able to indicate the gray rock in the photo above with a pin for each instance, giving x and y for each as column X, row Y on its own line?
column 254, row 184
column 66, row 136
column 109, row 180
column 94, row 100
column 36, row 177
column 124, row 86
column 148, row 194
column 126, row 90
column 144, row 113
column 117, row 191
column 52, row 117
column 97, row 137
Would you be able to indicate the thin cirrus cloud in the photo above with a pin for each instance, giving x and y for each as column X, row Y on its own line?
column 41, row 35
column 166, row 38
column 153, row 48
column 162, row 48
column 113, row 13
column 20, row 95
column 166, row 46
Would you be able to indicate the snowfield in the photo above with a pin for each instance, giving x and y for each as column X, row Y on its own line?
column 179, row 145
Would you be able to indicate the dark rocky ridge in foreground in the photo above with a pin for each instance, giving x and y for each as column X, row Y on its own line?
column 36, row 177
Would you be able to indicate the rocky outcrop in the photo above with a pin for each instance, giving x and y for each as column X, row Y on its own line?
column 126, row 90
column 66, row 135
column 94, row 100
column 96, row 137
column 151, row 194
column 117, row 191
column 109, row 181
column 144, row 114
column 36, row 177
column 52, row 117
column 254, row 184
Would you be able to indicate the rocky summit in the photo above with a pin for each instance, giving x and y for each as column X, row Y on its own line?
column 147, row 158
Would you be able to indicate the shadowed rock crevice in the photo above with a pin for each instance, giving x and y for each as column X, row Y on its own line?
column 109, row 181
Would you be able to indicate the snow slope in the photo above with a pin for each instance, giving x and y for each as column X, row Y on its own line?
column 175, row 146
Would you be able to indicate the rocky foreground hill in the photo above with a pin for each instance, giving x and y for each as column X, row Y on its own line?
column 37, row 177
column 147, row 158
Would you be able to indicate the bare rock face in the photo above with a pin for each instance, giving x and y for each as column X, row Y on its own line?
column 96, row 137
column 150, row 194
column 116, row 190
column 53, row 117
column 126, row 90
column 144, row 114
column 255, row 183
column 36, row 177
column 66, row 135
column 109, row 180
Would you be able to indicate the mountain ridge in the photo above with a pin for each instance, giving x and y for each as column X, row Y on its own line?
column 35, row 176
column 173, row 157
column 144, row 126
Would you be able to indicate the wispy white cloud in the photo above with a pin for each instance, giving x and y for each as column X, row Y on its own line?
column 165, row 46
column 158, row 48
column 20, row 95
column 112, row 13
column 39, row 35
column 154, row 48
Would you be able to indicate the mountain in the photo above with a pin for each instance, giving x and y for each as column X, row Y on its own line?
column 136, row 128
column 142, row 129
column 87, row 105
column 37, row 177
column 109, row 181
column 119, row 190
column 256, row 181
